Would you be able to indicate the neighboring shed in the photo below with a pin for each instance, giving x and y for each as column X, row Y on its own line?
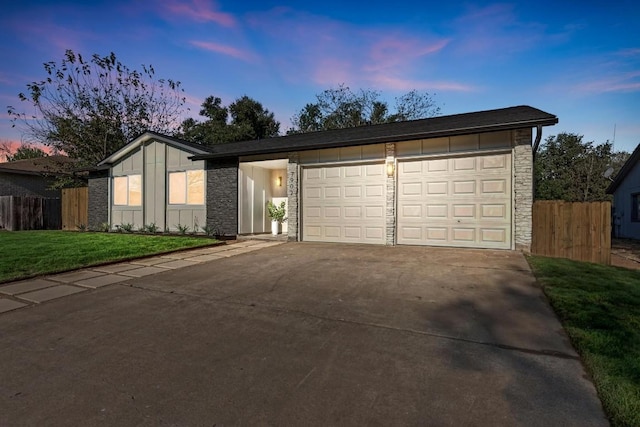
column 626, row 198
column 460, row 180
column 32, row 177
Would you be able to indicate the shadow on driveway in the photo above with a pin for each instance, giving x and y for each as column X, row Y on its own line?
column 313, row 334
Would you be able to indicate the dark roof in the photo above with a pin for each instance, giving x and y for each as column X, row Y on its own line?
column 458, row 124
column 49, row 165
column 626, row 168
column 192, row 147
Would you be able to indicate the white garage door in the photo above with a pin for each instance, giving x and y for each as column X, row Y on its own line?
column 463, row 201
column 344, row 204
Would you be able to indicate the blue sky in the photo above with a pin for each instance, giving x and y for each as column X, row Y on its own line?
column 579, row 60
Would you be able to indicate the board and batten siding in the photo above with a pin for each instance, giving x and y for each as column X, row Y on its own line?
column 129, row 165
column 154, row 161
column 193, row 216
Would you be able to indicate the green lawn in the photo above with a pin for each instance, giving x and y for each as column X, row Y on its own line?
column 29, row 253
column 599, row 307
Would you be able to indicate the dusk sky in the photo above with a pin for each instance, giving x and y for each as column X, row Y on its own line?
column 579, row 60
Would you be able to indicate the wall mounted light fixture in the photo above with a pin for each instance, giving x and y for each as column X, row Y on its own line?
column 279, row 181
column 390, row 169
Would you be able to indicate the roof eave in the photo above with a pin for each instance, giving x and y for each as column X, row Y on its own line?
column 147, row 136
column 624, row 171
column 397, row 138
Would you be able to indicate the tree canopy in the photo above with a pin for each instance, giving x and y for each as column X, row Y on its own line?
column 25, row 151
column 244, row 119
column 341, row 107
column 89, row 108
column 566, row 168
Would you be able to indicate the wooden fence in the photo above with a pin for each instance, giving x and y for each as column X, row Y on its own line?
column 29, row 213
column 75, row 208
column 578, row 231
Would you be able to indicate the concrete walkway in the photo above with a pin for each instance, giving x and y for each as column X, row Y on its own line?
column 24, row 293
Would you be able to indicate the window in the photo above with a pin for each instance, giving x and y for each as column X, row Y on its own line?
column 635, row 207
column 186, row 188
column 127, row 190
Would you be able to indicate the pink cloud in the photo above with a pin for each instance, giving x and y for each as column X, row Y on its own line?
column 330, row 52
column 243, row 55
column 497, row 29
column 330, row 71
column 398, row 52
column 200, row 11
column 401, row 84
column 625, row 82
column 47, row 35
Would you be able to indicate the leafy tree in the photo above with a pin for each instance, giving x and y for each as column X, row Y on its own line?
column 342, row 108
column 26, row 151
column 244, row 119
column 89, row 108
column 566, row 168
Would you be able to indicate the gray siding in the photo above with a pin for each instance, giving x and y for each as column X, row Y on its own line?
column 624, row 227
column 98, row 199
column 222, row 196
column 26, row 185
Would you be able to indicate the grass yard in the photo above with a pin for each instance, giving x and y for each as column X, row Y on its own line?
column 599, row 307
column 29, row 253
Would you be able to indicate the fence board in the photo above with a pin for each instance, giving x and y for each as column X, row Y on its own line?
column 75, row 207
column 29, row 213
column 579, row 231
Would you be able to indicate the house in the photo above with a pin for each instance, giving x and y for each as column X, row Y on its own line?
column 31, row 177
column 626, row 198
column 459, row 180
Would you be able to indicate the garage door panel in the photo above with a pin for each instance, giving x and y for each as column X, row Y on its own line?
column 493, row 186
column 493, row 162
column 494, row 211
column 439, row 165
column 437, row 211
column 464, row 164
column 352, row 206
column 374, row 191
column 352, row 191
column 374, row 170
column 464, row 188
column 465, row 202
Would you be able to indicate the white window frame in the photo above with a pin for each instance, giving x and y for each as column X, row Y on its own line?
column 185, row 189
column 128, row 190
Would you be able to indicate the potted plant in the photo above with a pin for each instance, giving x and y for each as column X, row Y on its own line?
column 277, row 215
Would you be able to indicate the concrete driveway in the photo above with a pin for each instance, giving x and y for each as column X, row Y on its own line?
column 301, row 334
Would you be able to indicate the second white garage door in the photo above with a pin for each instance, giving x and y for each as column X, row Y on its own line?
column 344, row 203
column 462, row 201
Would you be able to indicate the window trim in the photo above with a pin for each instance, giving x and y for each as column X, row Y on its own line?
column 128, row 190
column 185, row 188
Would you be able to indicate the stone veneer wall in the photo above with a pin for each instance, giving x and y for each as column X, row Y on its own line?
column 390, row 208
column 98, row 199
column 523, row 188
column 293, row 192
column 222, row 196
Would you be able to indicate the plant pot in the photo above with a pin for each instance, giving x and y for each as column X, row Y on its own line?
column 275, row 228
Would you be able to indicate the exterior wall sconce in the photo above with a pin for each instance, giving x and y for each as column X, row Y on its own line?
column 390, row 169
column 279, row 181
